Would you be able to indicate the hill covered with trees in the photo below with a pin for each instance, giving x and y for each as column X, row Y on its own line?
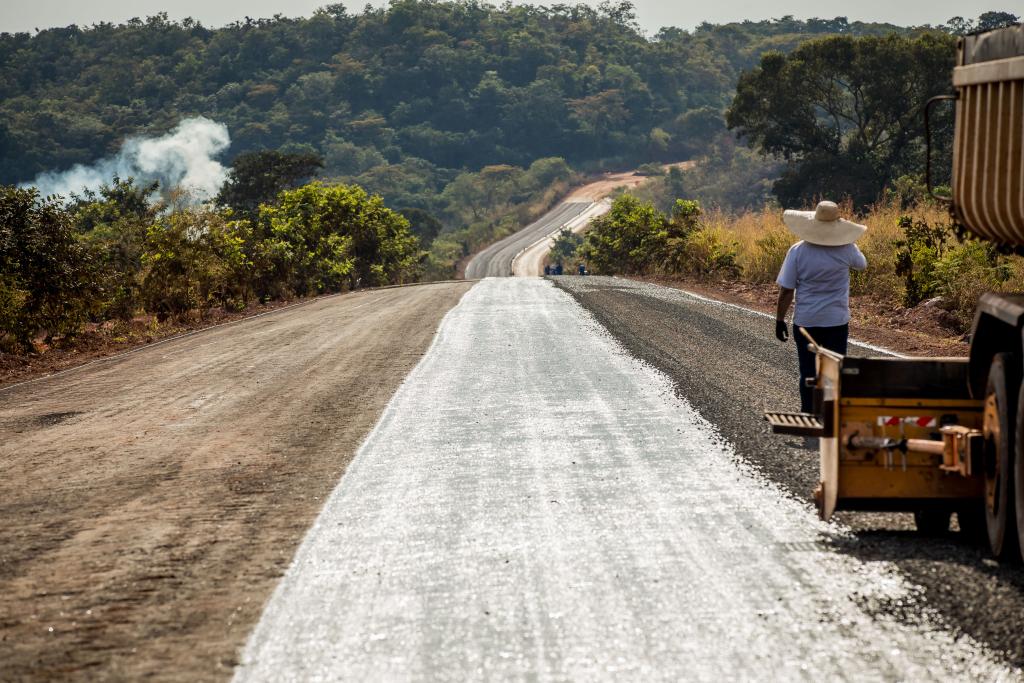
column 429, row 86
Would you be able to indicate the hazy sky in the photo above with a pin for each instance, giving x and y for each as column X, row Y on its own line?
column 25, row 16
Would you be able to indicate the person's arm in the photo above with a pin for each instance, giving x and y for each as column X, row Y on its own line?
column 787, row 288
column 781, row 310
column 857, row 259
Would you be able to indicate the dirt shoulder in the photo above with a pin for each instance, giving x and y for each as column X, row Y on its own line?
column 596, row 189
column 115, row 337
column 150, row 501
column 918, row 331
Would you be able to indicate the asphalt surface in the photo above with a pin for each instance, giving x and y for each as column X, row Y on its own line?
column 535, row 503
column 496, row 260
column 727, row 364
column 150, row 501
column 530, row 261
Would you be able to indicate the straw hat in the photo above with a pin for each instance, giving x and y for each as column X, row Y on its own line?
column 823, row 226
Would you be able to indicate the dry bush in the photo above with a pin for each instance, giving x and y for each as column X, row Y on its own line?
column 960, row 274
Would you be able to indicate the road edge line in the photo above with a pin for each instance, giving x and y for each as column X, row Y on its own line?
column 707, row 299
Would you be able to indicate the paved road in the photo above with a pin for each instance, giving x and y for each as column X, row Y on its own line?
column 530, row 261
column 496, row 260
column 151, row 501
column 728, row 365
column 537, row 504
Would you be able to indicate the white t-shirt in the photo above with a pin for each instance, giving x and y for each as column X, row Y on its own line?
column 821, row 277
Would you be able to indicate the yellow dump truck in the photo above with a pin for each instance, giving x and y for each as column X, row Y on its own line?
column 934, row 436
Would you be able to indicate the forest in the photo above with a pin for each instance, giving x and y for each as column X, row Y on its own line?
column 429, row 129
column 430, row 86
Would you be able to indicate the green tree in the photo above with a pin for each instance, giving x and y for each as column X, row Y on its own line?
column 564, row 246
column 422, row 224
column 845, row 112
column 324, row 238
column 48, row 276
column 259, row 177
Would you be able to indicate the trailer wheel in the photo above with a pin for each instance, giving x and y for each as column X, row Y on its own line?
column 1000, row 444
column 932, row 522
column 1018, row 471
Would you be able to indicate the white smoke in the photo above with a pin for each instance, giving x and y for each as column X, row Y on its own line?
column 184, row 158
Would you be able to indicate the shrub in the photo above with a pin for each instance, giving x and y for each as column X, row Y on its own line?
column 630, row 238
column 326, row 238
column 566, row 242
column 195, row 260
column 709, row 252
column 964, row 272
column 48, row 276
column 916, row 256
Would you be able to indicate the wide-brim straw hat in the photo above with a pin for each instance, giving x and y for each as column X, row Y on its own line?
column 823, row 226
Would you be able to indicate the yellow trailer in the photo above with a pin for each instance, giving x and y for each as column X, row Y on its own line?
column 895, row 434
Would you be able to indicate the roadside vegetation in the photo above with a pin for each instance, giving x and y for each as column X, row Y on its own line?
column 113, row 256
column 838, row 117
column 915, row 256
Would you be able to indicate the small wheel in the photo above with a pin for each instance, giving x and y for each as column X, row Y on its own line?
column 932, row 522
column 971, row 519
column 1000, row 404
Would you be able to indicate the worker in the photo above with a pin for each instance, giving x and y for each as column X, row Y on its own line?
column 558, row 268
column 817, row 271
column 582, row 269
column 547, row 269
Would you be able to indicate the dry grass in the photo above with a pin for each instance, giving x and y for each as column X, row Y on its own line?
column 762, row 240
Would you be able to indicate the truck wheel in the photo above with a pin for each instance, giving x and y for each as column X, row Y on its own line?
column 932, row 522
column 1000, row 444
column 1018, row 471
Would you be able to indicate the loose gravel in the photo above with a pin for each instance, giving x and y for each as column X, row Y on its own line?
column 726, row 362
column 537, row 504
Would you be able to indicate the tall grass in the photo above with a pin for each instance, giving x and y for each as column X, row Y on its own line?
column 959, row 272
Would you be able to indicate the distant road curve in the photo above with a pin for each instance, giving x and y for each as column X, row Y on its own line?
column 530, row 262
column 530, row 244
column 496, row 260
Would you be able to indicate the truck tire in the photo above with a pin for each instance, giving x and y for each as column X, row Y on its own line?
column 932, row 522
column 1000, row 447
column 1018, row 471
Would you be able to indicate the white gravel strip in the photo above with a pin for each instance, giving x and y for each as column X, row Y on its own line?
column 536, row 504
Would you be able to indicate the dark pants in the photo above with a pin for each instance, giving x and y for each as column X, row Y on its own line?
column 831, row 338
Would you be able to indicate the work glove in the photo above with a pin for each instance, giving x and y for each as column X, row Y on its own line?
column 781, row 331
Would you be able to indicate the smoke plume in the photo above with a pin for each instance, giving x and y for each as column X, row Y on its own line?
column 183, row 158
